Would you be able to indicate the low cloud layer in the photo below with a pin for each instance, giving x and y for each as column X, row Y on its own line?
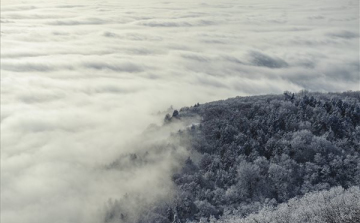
column 81, row 81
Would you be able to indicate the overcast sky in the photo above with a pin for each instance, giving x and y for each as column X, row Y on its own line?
column 81, row 79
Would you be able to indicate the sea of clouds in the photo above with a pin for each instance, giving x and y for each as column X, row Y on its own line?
column 82, row 79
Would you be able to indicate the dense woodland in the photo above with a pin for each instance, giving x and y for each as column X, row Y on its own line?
column 272, row 158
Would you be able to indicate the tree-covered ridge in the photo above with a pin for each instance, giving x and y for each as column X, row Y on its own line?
column 268, row 149
column 251, row 153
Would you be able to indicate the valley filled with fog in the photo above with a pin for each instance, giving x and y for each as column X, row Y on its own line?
column 86, row 83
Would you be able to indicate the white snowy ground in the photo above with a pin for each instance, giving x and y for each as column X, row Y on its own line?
column 81, row 78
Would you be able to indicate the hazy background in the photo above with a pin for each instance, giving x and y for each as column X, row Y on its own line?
column 80, row 80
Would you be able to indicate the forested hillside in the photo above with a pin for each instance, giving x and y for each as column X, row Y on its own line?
column 250, row 154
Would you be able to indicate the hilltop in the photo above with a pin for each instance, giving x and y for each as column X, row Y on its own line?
column 251, row 154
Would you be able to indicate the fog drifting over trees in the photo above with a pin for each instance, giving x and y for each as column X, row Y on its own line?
column 86, row 84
